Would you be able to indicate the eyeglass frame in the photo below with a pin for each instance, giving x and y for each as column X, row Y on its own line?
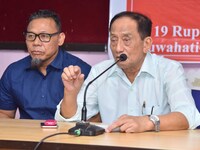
column 38, row 35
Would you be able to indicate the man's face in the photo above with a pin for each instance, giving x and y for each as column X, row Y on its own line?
column 44, row 51
column 124, row 38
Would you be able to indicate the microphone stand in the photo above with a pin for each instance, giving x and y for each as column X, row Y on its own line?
column 85, row 128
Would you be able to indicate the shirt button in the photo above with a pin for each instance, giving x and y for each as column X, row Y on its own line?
column 43, row 96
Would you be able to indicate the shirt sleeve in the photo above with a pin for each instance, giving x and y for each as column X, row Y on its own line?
column 59, row 117
column 91, row 101
column 180, row 97
column 6, row 97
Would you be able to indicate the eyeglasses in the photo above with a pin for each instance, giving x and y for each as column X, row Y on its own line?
column 44, row 37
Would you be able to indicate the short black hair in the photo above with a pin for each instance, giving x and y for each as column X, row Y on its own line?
column 144, row 23
column 44, row 13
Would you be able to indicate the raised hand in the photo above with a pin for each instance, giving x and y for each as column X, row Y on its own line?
column 72, row 78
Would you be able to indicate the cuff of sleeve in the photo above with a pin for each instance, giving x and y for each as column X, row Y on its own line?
column 196, row 121
column 59, row 117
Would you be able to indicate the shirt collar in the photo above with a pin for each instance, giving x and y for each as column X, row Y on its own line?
column 147, row 67
column 28, row 64
column 56, row 63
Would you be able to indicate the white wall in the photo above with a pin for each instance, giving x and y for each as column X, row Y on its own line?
column 192, row 71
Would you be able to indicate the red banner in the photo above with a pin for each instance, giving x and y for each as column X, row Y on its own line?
column 176, row 27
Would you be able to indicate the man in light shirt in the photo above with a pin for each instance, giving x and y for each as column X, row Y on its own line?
column 143, row 93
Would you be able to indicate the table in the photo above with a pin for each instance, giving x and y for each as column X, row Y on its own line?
column 25, row 134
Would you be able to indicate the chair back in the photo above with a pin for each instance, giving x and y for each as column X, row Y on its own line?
column 196, row 97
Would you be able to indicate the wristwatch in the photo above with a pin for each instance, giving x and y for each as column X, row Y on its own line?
column 156, row 121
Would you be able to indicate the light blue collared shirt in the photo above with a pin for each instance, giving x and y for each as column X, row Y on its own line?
column 160, row 83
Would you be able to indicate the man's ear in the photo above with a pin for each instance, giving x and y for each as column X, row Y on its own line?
column 147, row 44
column 61, row 39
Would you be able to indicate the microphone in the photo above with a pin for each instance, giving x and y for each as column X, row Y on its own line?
column 85, row 128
